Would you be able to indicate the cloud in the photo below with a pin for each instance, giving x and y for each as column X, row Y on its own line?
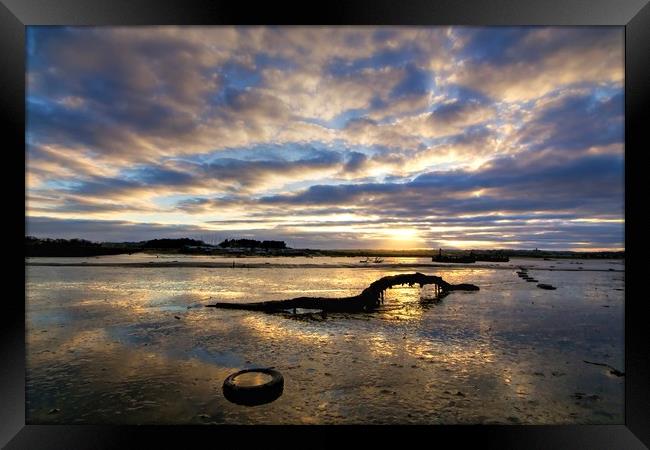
column 508, row 184
column 525, row 63
column 575, row 121
column 133, row 186
column 296, row 128
column 105, row 230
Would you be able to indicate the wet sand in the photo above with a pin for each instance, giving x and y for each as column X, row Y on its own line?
column 135, row 345
column 242, row 263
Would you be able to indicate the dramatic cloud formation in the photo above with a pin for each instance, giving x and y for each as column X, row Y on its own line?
column 332, row 137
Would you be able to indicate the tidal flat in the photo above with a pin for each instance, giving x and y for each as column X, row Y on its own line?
column 126, row 344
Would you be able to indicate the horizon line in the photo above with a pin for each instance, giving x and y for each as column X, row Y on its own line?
column 431, row 248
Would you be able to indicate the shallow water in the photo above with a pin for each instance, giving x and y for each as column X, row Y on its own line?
column 136, row 345
column 251, row 379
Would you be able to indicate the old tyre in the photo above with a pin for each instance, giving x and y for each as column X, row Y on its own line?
column 253, row 394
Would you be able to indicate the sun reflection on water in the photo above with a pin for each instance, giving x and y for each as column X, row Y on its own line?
column 144, row 344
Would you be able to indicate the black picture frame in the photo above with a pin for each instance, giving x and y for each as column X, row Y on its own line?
column 634, row 15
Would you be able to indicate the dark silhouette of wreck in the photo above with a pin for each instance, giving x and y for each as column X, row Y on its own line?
column 492, row 257
column 471, row 258
column 453, row 258
column 369, row 299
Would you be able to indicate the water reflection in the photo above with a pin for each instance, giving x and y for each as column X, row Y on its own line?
column 252, row 379
column 117, row 345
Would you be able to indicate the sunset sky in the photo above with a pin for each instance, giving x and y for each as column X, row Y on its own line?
column 361, row 137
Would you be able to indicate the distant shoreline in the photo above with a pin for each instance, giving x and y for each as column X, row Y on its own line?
column 38, row 247
column 353, row 253
column 257, row 265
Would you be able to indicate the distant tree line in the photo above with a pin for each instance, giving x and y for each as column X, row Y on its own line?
column 80, row 247
column 67, row 247
column 252, row 243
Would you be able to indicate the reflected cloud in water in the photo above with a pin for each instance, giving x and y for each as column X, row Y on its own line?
column 509, row 353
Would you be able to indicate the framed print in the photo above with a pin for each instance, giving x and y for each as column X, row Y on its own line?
column 368, row 218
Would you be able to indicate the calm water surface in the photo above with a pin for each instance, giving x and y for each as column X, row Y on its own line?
column 137, row 346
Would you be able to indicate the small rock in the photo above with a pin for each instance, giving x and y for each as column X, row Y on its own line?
column 176, row 317
column 460, row 394
column 54, row 411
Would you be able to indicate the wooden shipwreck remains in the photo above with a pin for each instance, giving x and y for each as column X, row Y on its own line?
column 368, row 299
column 459, row 259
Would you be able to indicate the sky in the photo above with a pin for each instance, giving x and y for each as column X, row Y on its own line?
column 328, row 137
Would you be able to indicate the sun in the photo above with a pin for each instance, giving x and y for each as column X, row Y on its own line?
column 403, row 234
column 401, row 238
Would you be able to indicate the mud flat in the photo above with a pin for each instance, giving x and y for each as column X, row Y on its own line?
column 121, row 344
